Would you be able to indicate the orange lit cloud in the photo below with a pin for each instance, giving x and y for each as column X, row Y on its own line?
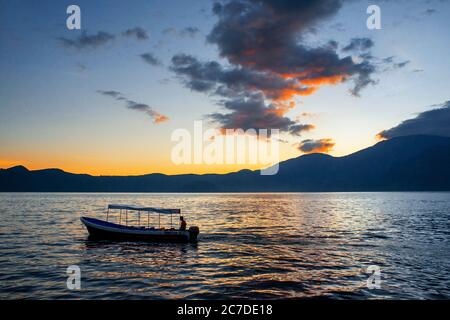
column 269, row 64
column 133, row 105
column 332, row 80
column 381, row 135
column 314, row 146
column 308, row 85
column 159, row 118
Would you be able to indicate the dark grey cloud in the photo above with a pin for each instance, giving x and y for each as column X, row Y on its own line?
column 137, row 32
column 101, row 38
column 298, row 129
column 189, row 31
column 88, row 41
column 321, row 145
column 392, row 63
column 150, row 59
column 232, row 81
column 333, row 44
column 142, row 107
column 401, row 64
column 389, row 59
column 133, row 105
column 253, row 113
column 431, row 122
column 268, row 61
column 82, row 67
column 267, row 35
column 111, row 93
column 185, row 32
column 359, row 44
column 429, row 11
column 364, row 78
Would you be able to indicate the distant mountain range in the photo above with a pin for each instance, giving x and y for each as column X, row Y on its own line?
column 408, row 163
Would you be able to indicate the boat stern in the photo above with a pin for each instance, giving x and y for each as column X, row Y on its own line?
column 193, row 233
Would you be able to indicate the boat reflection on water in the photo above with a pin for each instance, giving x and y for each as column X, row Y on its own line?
column 139, row 257
column 137, row 246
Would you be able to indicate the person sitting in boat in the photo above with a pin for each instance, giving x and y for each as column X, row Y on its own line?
column 182, row 223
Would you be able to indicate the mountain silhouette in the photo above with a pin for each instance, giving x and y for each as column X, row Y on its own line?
column 409, row 163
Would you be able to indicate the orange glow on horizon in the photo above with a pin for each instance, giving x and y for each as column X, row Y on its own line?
column 114, row 165
column 135, row 170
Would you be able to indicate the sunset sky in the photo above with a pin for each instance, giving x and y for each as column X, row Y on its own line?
column 105, row 99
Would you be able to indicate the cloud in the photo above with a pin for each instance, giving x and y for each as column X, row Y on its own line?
column 253, row 113
column 429, row 11
column 268, row 64
column 100, row 39
column 388, row 60
column 321, row 145
column 297, row 129
column 210, row 76
column 359, row 44
column 186, row 32
column 267, row 36
column 431, row 122
column 150, row 59
column 111, row 93
column 364, row 79
column 401, row 64
column 308, row 114
column 390, row 63
column 81, row 67
column 156, row 116
column 137, row 32
column 85, row 40
column 189, row 31
column 133, row 105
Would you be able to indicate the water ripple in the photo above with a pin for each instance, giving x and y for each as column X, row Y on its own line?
column 267, row 246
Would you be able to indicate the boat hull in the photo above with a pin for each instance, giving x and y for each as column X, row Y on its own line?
column 100, row 229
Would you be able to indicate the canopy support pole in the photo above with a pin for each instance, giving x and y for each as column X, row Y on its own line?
column 139, row 209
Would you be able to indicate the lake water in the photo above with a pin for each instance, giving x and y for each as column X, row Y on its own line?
column 269, row 246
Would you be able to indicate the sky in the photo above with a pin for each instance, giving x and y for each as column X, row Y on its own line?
column 106, row 99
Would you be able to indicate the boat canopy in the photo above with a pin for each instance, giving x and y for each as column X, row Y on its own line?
column 147, row 209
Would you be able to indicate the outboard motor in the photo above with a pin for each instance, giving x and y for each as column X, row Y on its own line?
column 193, row 233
